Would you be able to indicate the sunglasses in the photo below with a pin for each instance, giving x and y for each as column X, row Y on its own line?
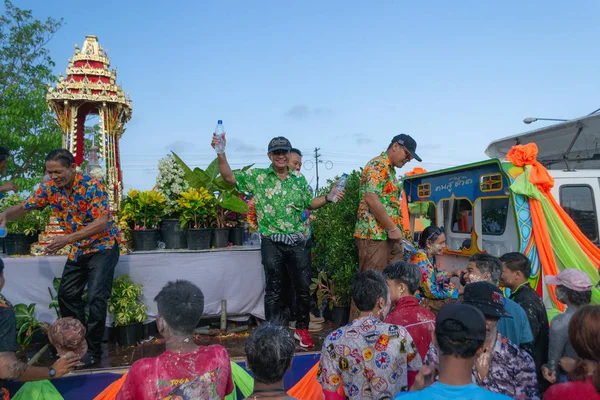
column 408, row 156
column 280, row 152
column 437, row 232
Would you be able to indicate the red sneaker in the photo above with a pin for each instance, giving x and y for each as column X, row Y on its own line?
column 304, row 338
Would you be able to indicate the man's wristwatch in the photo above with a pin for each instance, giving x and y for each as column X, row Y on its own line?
column 51, row 373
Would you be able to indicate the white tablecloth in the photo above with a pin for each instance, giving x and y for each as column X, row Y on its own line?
column 235, row 275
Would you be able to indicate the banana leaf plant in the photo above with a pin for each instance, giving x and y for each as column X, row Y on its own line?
column 228, row 197
column 27, row 324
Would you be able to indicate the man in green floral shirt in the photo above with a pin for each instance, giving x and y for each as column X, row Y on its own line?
column 379, row 227
column 281, row 195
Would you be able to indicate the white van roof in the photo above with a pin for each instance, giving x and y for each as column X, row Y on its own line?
column 570, row 144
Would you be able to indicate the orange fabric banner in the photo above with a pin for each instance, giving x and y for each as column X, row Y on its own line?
column 405, row 214
column 110, row 393
column 309, row 388
column 544, row 246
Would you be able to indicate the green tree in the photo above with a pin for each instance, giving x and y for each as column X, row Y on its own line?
column 27, row 126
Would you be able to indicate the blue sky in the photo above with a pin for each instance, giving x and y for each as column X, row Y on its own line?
column 345, row 76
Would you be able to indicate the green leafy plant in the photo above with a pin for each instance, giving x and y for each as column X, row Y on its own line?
column 27, row 127
column 124, row 302
column 197, row 208
column 171, row 182
column 326, row 291
column 142, row 209
column 228, row 198
column 334, row 248
column 30, row 224
column 27, row 324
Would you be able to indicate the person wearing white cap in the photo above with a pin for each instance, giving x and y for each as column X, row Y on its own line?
column 573, row 289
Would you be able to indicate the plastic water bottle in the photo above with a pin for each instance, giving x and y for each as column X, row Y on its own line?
column 408, row 246
column 339, row 186
column 3, row 231
column 219, row 130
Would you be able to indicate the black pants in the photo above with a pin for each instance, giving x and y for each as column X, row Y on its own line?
column 284, row 263
column 288, row 296
column 97, row 271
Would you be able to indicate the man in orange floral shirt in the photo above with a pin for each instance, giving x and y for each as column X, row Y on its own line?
column 80, row 203
column 379, row 227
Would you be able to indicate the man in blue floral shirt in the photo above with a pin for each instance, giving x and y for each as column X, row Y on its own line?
column 80, row 203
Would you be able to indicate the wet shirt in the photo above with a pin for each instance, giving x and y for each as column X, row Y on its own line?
column 370, row 358
column 559, row 339
column 204, row 374
column 87, row 202
column 517, row 328
column 379, row 178
column 439, row 391
column 8, row 333
column 512, row 370
column 418, row 321
column 535, row 310
column 435, row 284
column 279, row 203
column 573, row 390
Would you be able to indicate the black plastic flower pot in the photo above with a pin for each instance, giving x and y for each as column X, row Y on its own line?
column 220, row 237
column 172, row 234
column 340, row 315
column 145, row 240
column 129, row 335
column 17, row 244
column 198, row 239
column 236, row 236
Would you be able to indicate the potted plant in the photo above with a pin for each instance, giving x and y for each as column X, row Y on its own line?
column 143, row 211
column 171, row 182
column 335, row 256
column 197, row 212
column 227, row 197
column 128, row 310
column 336, row 299
column 27, row 324
column 24, row 231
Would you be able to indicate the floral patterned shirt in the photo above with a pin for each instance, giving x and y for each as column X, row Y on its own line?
column 435, row 284
column 378, row 177
column 512, row 370
column 279, row 202
column 370, row 358
column 87, row 202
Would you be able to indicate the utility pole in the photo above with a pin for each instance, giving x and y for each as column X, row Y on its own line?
column 317, row 161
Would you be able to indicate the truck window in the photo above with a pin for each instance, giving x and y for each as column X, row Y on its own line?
column 578, row 202
column 493, row 216
column 462, row 216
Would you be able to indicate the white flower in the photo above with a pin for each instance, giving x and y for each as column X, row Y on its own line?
column 269, row 192
column 261, row 178
column 282, row 224
column 269, row 209
column 288, row 210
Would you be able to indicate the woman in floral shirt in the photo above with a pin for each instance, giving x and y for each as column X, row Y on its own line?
column 436, row 288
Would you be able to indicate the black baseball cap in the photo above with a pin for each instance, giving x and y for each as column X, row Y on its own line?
column 487, row 298
column 471, row 319
column 408, row 143
column 279, row 143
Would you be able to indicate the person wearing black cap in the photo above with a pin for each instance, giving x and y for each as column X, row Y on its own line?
column 11, row 368
column 7, row 186
column 280, row 195
column 379, row 226
column 502, row 367
column 460, row 335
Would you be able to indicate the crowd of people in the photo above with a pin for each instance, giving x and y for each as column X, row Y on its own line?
column 415, row 331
